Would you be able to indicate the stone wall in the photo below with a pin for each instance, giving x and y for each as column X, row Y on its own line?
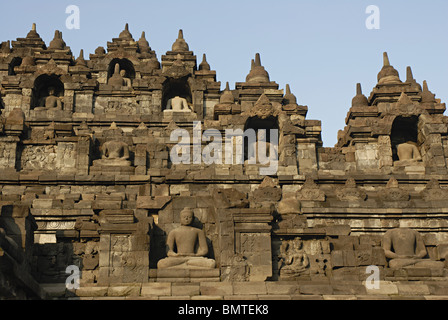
column 88, row 154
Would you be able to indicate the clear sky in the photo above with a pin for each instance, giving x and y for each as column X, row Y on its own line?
column 322, row 48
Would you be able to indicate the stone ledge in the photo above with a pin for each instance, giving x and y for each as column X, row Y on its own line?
column 92, row 291
column 124, row 291
column 185, row 275
column 288, row 290
column 187, row 289
column 314, row 289
column 249, row 288
column 216, row 288
column 339, row 297
column 156, row 289
column 413, row 289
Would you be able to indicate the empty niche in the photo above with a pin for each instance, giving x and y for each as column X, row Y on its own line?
column 256, row 124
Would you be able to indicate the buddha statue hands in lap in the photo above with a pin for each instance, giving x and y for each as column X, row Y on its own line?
column 408, row 151
column 178, row 104
column 126, row 81
column 295, row 260
column 187, row 246
column 51, row 101
column 405, row 248
column 114, row 153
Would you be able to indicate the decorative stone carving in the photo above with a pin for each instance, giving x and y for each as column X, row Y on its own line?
column 433, row 191
column 7, row 155
column 56, row 225
column 177, row 69
column 120, row 107
column 287, row 152
column 269, row 191
column 310, row 191
column 124, row 246
column 392, row 192
column 350, row 192
column 182, row 243
column 39, row 157
column 264, row 108
column 405, row 248
column 294, row 259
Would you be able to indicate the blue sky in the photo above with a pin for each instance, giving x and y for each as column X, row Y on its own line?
column 322, row 48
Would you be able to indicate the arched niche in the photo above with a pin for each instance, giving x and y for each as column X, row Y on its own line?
column 256, row 123
column 44, row 86
column 404, row 129
column 15, row 62
column 125, row 65
column 176, row 87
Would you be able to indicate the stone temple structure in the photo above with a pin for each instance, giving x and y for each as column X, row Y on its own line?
column 89, row 190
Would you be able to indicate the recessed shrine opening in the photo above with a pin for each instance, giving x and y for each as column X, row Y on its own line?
column 176, row 88
column 260, row 126
column 126, row 68
column 45, row 88
column 15, row 62
column 404, row 130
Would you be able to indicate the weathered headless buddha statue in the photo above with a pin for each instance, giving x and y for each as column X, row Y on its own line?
column 405, row 248
column 408, row 151
column 51, row 101
column 187, row 246
column 178, row 104
column 114, row 153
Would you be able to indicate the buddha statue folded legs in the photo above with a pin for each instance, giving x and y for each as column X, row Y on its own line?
column 186, row 263
column 178, row 104
column 114, row 153
column 408, row 155
column 187, row 246
column 405, row 248
column 51, row 101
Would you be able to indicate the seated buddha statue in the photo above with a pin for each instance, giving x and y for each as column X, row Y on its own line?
column 187, row 246
column 408, row 151
column 114, row 153
column 51, row 101
column 178, row 104
column 405, row 248
column 126, row 81
column 117, row 80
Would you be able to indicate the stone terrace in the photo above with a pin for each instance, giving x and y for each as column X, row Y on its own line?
column 88, row 179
